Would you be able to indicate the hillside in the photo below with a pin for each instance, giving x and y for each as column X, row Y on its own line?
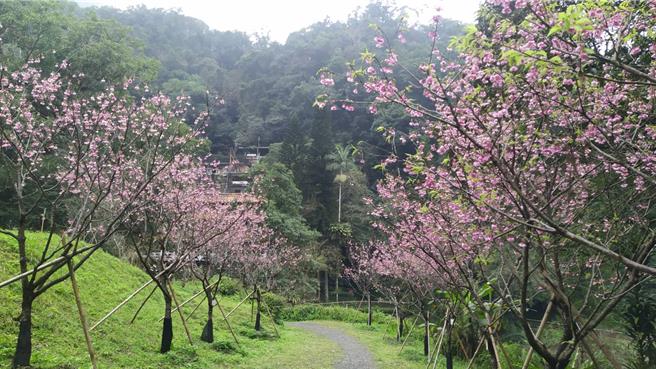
column 59, row 342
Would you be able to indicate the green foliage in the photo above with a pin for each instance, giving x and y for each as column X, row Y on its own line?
column 275, row 303
column 52, row 31
column 639, row 317
column 275, row 183
column 230, row 286
column 326, row 312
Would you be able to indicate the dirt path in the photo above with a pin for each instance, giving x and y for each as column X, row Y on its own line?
column 356, row 355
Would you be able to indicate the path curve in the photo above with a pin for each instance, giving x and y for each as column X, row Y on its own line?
column 356, row 355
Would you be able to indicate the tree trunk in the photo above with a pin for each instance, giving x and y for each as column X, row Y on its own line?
column 398, row 325
column 339, row 202
column 208, row 330
column 369, row 313
column 23, row 352
column 320, row 284
column 327, row 291
column 427, row 334
column 337, row 288
column 448, row 353
column 167, row 327
column 491, row 344
column 258, row 298
column 491, row 349
column 401, row 326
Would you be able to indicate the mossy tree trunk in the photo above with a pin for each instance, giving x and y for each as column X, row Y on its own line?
column 208, row 330
column 258, row 300
column 23, row 352
column 167, row 327
column 369, row 312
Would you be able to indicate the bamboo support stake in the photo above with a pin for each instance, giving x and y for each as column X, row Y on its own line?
column 83, row 318
column 196, row 308
column 409, row 332
column 462, row 347
column 492, row 340
column 142, row 305
column 225, row 318
column 191, row 298
column 184, row 322
column 42, row 266
column 239, row 304
column 480, row 343
column 114, row 310
column 272, row 320
column 590, row 353
column 543, row 323
column 438, row 345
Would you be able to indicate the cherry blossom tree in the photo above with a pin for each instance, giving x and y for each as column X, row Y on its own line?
column 535, row 150
column 231, row 220
column 65, row 157
column 262, row 258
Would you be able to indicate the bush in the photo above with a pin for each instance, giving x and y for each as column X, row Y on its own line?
column 229, row 286
column 321, row 312
column 276, row 305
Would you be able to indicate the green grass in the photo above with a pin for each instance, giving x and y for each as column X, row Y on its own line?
column 104, row 282
column 380, row 337
column 386, row 350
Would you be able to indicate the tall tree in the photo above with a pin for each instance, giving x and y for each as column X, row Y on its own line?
column 341, row 161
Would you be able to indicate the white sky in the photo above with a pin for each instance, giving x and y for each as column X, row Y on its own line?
column 279, row 18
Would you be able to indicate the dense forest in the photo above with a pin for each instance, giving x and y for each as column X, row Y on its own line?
column 493, row 181
column 257, row 92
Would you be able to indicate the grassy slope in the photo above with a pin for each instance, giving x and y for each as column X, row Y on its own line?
column 104, row 282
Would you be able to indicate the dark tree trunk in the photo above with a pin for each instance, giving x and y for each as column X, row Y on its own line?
column 327, row 289
column 401, row 327
column 490, row 348
column 369, row 313
column 24, row 343
column 258, row 299
column 167, row 328
column 426, row 334
column 448, row 352
column 23, row 352
column 208, row 330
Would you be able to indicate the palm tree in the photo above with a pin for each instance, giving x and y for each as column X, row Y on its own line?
column 341, row 161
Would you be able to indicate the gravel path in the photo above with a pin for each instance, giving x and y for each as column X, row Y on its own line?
column 356, row 355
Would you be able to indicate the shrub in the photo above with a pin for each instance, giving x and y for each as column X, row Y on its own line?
column 229, row 286
column 320, row 312
column 275, row 303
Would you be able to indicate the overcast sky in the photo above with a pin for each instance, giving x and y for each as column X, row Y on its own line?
column 281, row 17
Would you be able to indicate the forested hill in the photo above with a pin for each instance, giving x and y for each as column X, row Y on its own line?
column 266, row 85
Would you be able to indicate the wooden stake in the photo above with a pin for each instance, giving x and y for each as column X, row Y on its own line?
column 438, row 346
column 225, row 318
column 196, row 308
column 40, row 267
column 142, row 305
column 543, row 323
column 124, row 302
column 239, row 304
column 272, row 320
column 409, row 332
column 191, row 298
column 184, row 322
column 492, row 340
column 480, row 343
column 83, row 318
column 462, row 346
